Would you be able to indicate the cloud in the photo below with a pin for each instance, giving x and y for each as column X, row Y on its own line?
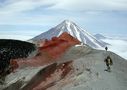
column 118, row 46
column 17, row 6
column 20, row 33
column 13, row 7
column 94, row 14
column 17, row 37
column 86, row 5
column 20, row 6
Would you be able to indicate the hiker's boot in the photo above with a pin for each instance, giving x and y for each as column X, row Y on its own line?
column 109, row 69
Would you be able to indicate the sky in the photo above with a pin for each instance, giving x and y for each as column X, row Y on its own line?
column 32, row 17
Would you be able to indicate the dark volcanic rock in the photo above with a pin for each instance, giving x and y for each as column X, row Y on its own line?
column 13, row 49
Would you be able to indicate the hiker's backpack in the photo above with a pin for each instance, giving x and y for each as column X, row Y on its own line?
column 109, row 61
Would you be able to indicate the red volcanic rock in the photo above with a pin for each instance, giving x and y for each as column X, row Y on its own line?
column 69, row 38
column 13, row 64
column 51, row 50
column 64, row 37
column 58, row 45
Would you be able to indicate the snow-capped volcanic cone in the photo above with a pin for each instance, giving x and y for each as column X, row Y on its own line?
column 74, row 30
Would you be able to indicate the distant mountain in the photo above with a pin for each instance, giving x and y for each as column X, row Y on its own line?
column 74, row 30
column 99, row 36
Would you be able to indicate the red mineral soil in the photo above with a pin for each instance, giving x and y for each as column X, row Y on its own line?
column 50, row 52
column 49, row 76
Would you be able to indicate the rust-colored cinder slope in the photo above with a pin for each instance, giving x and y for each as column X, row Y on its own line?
column 50, row 51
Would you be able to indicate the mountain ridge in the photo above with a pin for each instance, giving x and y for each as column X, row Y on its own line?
column 86, row 71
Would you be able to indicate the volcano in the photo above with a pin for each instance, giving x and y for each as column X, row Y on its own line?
column 74, row 30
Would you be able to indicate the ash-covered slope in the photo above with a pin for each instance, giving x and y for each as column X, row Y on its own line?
column 80, row 68
column 61, row 64
column 71, row 28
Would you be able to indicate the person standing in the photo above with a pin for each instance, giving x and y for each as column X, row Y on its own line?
column 108, row 62
column 106, row 48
